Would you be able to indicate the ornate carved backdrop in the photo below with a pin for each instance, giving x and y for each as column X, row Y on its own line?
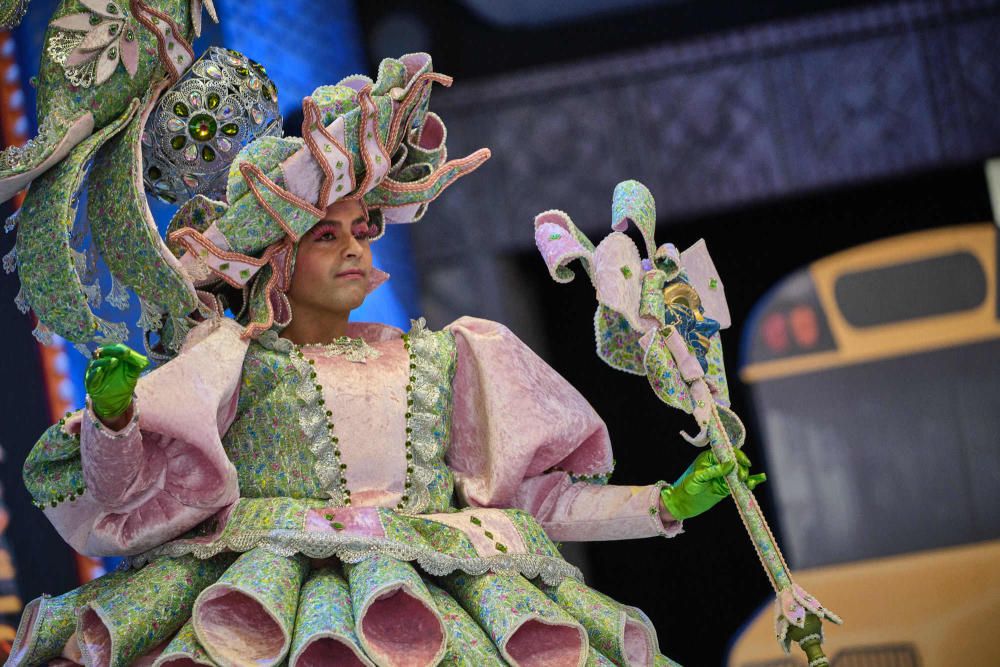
column 711, row 124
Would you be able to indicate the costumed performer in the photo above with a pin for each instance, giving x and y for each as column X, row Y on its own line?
column 296, row 486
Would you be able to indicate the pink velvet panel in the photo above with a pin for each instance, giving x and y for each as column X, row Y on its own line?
column 399, row 630
column 538, row 644
column 578, row 512
column 329, row 652
column 150, row 483
column 515, row 417
column 368, row 402
column 638, row 644
column 236, row 629
column 94, row 639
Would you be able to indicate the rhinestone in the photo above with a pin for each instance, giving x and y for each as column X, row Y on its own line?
column 154, row 173
column 242, row 72
column 207, row 154
column 129, row 36
column 112, row 8
column 94, row 19
column 202, row 127
column 195, row 99
column 112, row 53
column 113, row 29
column 225, row 145
column 175, row 124
column 212, row 71
column 257, row 115
column 227, row 111
column 230, row 129
column 190, row 180
column 180, row 109
column 178, row 142
column 191, row 153
column 213, row 100
column 234, row 61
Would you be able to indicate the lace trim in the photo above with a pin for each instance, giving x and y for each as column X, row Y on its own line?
column 287, row 543
column 427, row 388
column 353, row 349
column 312, row 420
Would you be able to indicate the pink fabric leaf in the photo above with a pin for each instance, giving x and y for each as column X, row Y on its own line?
column 376, row 278
column 196, row 17
column 559, row 247
column 101, row 7
column 74, row 22
column 102, row 34
column 78, row 57
column 705, row 279
column 618, row 277
column 130, row 56
column 107, row 63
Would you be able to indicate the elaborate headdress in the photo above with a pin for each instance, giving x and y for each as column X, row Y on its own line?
column 375, row 142
column 118, row 112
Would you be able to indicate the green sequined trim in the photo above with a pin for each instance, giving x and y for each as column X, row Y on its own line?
column 53, row 472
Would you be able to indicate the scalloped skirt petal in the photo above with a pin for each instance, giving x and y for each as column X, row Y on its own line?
column 260, row 608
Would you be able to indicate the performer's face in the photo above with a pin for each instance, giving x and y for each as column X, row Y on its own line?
column 334, row 262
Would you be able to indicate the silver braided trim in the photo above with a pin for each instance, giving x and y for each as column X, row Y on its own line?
column 426, row 394
column 287, row 543
column 819, row 662
column 816, row 636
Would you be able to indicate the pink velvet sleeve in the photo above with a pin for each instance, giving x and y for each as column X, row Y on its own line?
column 515, row 419
column 165, row 471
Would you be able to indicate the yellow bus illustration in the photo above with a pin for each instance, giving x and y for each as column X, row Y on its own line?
column 875, row 378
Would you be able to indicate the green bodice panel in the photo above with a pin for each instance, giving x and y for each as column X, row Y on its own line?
column 279, row 438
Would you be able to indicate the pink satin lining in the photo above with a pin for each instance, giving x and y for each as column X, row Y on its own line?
column 328, row 652
column 235, row 629
column 399, row 629
column 539, row 644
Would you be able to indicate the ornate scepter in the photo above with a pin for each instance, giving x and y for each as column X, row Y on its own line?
column 660, row 317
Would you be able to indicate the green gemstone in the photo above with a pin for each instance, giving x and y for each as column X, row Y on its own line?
column 213, row 100
column 180, row 109
column 178, row 142
column 112, row 9
column 230, row 129
column 155, row 173
column 488, row 534
column 94, row 19
column 202, row 128
column 207, row 154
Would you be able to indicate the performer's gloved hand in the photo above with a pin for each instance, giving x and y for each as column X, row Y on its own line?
column 703, row 485
column 111, row 378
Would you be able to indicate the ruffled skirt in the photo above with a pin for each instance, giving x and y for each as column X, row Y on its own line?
column 259, row 608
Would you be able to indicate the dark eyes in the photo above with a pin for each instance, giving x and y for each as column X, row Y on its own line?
column 361, row 233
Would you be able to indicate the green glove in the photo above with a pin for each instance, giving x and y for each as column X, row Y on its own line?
column 703, row 484
column 111, row 378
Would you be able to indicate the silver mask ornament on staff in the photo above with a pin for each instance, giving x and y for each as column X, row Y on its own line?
column 221, row 104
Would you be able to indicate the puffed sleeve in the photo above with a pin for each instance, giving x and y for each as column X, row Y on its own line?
column 164, row 472
column 519, row 430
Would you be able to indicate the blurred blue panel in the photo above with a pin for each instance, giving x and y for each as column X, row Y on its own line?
column 304, row 45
